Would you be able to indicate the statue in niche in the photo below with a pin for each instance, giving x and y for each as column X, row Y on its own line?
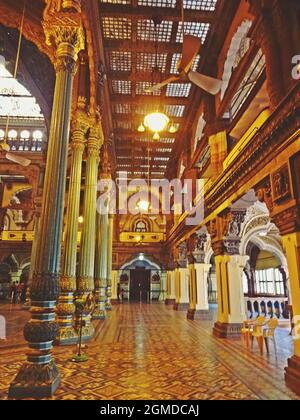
column 281, row 184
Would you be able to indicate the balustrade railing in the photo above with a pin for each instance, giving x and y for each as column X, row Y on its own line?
column 267, row 306
column 27, row 145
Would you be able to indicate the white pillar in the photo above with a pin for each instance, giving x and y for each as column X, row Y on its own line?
column 199, row 309
column 231, row 302
column 182, row 299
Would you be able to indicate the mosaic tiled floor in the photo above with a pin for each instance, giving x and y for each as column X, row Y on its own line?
column 152, row 352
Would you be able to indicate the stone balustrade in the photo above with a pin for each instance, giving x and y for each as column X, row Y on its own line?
column 268, row 306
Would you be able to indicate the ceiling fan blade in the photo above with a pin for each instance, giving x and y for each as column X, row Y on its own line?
column 18, row 159
column 4, row 146
column 207, row 83
column 162, row 84
column 191, row 47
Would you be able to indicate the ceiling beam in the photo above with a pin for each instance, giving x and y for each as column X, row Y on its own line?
column 140, row 76
column 137, row 144
column 142, row 46
column 136, row 119
column 164, row 13
column 119, row 132
column 146, row 100
column 128, row 151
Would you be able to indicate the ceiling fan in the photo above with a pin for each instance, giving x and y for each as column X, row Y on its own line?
column 4, row 146
column 191, row 47
column 11, row 156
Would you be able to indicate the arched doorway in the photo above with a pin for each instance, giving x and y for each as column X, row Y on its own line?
column 141, row 280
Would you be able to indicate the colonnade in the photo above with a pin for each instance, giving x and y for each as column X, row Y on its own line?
column 55, row 283
column 191, row 270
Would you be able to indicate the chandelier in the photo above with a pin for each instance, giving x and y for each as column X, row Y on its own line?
column 157, row 122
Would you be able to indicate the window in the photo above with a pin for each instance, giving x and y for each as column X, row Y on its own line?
column 38, row 135
column 140, row 226
column 12, row 134
column 248, row 84
column 25, row 134
column 270, row 282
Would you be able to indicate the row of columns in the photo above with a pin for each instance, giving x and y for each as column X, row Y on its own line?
column 53, row 283
column 187, row 290
column 187, row 283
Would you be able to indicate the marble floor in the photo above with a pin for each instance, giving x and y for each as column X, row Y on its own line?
column 152, row 352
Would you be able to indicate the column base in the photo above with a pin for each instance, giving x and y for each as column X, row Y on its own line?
column 227, row 330
column 66, row 337
column 292, row 374
column 115, row 301
column 198, row 314
column 181, row 307
column 26, row 307
column 170, row 302
column 35, row 381
column 99, row 314
column 88, row 332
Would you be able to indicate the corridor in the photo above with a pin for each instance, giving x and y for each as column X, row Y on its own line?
column 152, row 352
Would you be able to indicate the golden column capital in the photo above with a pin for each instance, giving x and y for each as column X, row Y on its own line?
column 79, row 128
column 95, row 140
column 64, row 31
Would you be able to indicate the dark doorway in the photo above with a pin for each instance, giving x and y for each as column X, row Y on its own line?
column 140, row 285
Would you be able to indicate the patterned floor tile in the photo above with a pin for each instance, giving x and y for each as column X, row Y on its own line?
column 152, row 352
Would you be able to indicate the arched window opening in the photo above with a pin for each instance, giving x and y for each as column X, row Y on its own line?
column 269, row 277
column 141, row 226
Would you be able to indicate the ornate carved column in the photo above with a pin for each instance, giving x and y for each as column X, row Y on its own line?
column 198, row 308
column 281, row 193
column 108, row 305
column 85, row 284
column 101, row 266
column 181, row 278
column 39, row 376
column 225, row 235
column 37, row 216
column 114, row 287
column 66, row 309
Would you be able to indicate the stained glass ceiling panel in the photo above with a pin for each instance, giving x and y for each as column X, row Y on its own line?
column 116, row 28
column 176, row 57
column 209, row 5
column 157, row 3
column 148, row 61
column 116, row 1
column 179, row 90
column 146, row 31
column 198, row 29
column 142, row 86
column 120, row 60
